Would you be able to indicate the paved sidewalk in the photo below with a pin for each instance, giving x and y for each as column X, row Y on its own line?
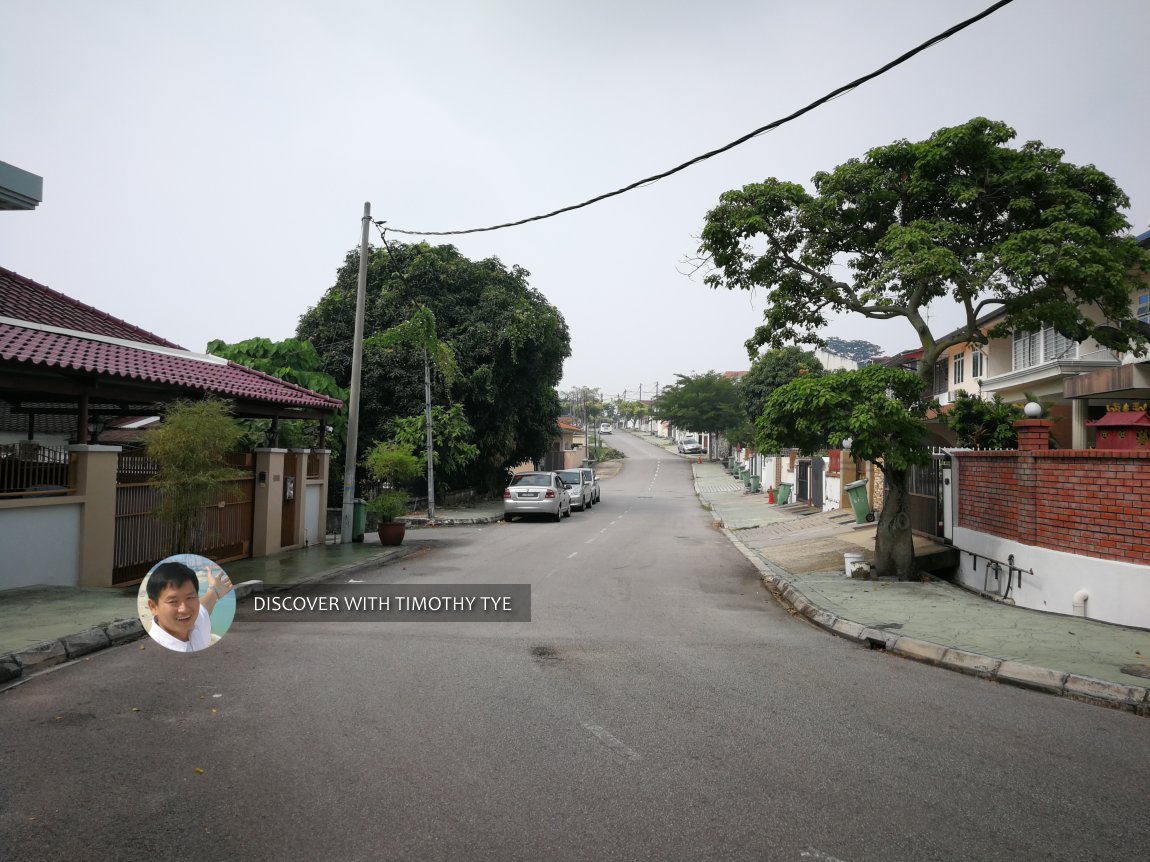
column 800, row 557
column 45, row 626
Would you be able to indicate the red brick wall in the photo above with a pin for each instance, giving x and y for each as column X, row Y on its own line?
column 1095, row 503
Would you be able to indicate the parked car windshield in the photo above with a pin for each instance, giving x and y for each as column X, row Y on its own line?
column 571, row 477
column 542, row 479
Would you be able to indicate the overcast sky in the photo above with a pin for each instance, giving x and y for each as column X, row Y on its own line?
column 205, row 164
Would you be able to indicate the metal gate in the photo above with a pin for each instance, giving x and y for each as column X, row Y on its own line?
column 817, row 467
column 924, row 495
column 223, row 534
column 802, row 480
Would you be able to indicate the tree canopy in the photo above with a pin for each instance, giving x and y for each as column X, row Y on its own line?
column 507, row 340
column 858, row 350
column 706, row 402
column 772, row 370
column 961, row 216
column 295, row 361
column 292, row 360
column 882, row 411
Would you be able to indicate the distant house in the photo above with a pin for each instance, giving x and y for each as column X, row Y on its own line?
column 74, row 511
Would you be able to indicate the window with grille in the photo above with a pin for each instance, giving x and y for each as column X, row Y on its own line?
column 940, row 372
column 1037, row 348
column 958, row 365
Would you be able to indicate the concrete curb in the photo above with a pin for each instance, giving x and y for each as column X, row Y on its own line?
column 18, row 664
column 24, row 662
column 424, row 523
column 1100, row 692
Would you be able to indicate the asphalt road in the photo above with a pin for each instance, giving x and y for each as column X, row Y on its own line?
column 658, row 706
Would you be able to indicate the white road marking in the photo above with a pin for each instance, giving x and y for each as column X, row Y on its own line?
column 812, row 853
column 573, row 553
column 616, row 745
column 592, row 539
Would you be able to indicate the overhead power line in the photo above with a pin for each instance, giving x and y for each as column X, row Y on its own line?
column 846, row 88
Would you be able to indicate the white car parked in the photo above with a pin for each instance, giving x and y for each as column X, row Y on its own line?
column 537, row 494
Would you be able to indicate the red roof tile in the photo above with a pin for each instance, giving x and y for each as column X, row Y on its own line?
column 72, row 352
column 147, row 358
column 24, row 299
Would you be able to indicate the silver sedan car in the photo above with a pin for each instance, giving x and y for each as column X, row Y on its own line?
column 582, row 492
column 591, row 479
column 537, row 494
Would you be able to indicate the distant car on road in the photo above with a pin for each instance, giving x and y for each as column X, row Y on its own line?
column 537, row 493
column 604, row 427
column 690, row 446
column 582, row 491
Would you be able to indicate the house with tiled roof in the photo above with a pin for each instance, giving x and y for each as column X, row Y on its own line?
column 74, row 511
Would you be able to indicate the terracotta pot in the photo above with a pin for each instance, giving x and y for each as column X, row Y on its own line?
column 391, row 532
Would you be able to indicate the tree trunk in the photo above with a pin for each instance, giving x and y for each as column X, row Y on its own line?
column 894, row 542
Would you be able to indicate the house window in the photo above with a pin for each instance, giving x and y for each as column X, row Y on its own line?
column 1143, row 310
column 940, row 371
column 1038, row 348
column 977, row 363
column 958, row 364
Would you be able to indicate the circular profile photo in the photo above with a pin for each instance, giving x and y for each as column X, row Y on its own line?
column 186, row 603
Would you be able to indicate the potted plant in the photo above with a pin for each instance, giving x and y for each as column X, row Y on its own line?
column 391, row 464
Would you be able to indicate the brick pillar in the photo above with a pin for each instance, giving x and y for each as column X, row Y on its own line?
column 1033, row 434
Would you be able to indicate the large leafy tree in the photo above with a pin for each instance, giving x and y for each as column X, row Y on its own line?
column 882, row 410
column 508, row 344
column 705, row 402
column 452, row 440
column 297, row 362
column 961, row 217
column 771, row 370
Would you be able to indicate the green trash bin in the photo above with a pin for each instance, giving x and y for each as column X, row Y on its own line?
column 358, row 520
column 784, row 494
column 860, row 504
column 755, row 483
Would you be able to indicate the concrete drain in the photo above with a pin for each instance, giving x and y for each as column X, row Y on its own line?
column 1140, row 670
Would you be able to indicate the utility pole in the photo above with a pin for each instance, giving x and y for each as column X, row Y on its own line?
column 350, row 454
column 430, row 451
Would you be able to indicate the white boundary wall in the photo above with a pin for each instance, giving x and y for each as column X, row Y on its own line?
column 40, row 544
column 1118, row 592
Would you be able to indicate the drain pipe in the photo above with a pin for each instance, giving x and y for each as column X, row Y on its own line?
column 1080, row 599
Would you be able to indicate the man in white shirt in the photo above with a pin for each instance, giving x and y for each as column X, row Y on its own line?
column 181, row 618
